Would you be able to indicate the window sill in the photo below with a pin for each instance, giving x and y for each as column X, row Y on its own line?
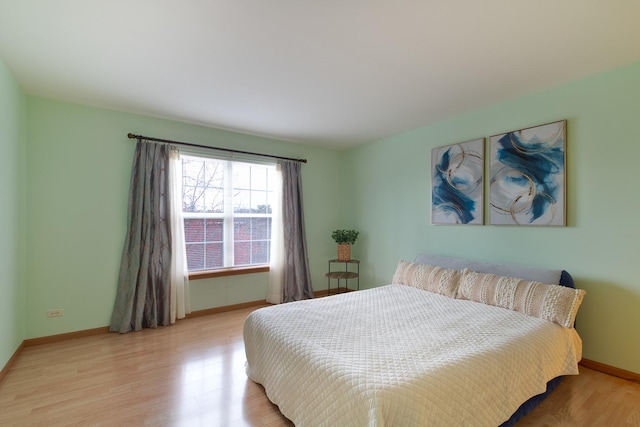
column 234, row 271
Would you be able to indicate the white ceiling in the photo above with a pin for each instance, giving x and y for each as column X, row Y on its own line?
column 333, row 73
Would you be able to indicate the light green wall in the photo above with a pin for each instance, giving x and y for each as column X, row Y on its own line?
column 65, row 171
column 390, row 204
column 12, row 204
column 79, row 161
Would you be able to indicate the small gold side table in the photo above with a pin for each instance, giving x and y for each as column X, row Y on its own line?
column 344, row 274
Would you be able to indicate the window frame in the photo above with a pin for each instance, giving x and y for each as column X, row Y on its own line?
column 228, row 217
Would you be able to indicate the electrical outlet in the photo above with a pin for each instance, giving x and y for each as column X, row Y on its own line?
column 55, row 313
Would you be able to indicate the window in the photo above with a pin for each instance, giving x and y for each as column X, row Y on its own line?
column 227, row 209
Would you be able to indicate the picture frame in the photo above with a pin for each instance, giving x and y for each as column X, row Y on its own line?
column 528, row 182
column 457, row 183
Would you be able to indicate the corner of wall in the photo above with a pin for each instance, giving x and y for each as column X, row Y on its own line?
column 12, row 225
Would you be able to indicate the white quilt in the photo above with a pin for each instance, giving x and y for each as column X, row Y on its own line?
column 401, row 356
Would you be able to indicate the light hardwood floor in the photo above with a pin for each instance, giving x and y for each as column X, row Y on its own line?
column 192, row 374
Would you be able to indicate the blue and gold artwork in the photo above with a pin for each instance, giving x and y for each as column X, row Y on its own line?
column 527, row 184
column 456, row 177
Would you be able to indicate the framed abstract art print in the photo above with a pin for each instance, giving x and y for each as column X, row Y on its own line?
column 527, row 185
column 457, row 183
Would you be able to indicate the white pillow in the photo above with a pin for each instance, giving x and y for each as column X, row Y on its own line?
column 443, row 281
column 555, row 303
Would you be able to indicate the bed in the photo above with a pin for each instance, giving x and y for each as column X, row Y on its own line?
column 448, row 342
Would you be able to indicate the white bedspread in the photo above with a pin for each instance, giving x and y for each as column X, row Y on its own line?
column 397, row 355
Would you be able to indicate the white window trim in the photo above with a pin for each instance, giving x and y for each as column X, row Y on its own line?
column 228, row 216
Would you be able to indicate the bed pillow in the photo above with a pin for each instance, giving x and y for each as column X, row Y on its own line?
column 554, row 303
column 443, row 281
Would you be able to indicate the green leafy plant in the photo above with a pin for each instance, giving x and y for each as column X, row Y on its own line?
column 345, row 237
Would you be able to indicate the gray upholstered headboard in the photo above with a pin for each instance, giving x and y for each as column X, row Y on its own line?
column 528, row 273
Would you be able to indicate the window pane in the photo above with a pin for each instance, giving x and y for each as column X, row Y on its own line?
column 258, row 202
column 195, row 256
column 260, row 252
column 193, row 230
column 241, row 201
column 215, row 230
column 215, row 256
column 192, row 200
column 192, row 168
column 241, row 176
column 259, row 178
column 242, row 229
column 242, row 253
column 214, row 200
column 271, row 178
column 260, row 228
column 214, row 173
column 200, row 179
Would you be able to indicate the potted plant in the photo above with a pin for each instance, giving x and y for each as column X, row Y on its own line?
column 344, row 239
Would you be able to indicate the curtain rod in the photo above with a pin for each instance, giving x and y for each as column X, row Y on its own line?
column 229, row 150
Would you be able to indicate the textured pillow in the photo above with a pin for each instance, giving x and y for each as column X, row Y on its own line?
column 554, row 303
column 443, row 281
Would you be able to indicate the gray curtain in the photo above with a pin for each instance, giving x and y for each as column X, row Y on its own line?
column 142, row 299
column 296, row 276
